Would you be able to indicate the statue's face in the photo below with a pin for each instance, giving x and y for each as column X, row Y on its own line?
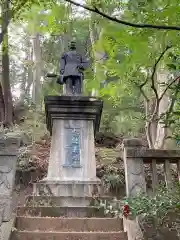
column 72, row 45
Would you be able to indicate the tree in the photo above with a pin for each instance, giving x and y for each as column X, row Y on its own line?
column 13, row 10
column 7, row 119
column 16, row 9
column 9, row 12
column 131, row 55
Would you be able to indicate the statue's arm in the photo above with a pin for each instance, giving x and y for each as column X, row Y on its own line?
column 62, row 64
column 85, row 62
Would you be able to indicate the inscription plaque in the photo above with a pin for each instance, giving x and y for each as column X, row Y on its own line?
column 72, row 146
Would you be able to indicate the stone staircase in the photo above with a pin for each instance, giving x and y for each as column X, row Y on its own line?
column 66, row 223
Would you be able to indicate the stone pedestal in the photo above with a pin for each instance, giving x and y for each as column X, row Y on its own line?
column 73, row 122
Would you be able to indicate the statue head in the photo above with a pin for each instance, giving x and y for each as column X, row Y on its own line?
column 72, row 45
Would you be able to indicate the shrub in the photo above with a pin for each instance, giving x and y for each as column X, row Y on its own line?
column 163, row 207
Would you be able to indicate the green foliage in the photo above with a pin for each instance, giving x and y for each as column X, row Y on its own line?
column 161, row 209
column 113, row 179
column 131, row 52
column 34, row 128
column 53, row 19
column 112, row 208
column 158, row 206
column 123, row 114
column 112, row 182
column 131, row 57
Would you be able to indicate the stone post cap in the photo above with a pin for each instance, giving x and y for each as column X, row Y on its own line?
column 133, row 142
column 9, row 144
column 11, row 140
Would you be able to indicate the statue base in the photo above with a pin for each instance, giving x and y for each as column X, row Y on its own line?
column 73, row 122
column 82, row 191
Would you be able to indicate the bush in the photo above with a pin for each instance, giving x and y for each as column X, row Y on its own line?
column 159, row 206
column 163, row 207
column 113, row 179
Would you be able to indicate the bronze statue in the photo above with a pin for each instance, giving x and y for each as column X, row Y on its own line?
column 72, row 66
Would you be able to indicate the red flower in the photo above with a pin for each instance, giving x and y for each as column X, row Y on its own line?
column 126, row 210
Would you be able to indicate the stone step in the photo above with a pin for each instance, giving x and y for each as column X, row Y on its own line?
column 27, row 235
column 69, row 224
column 69, row 212
column 62, row 201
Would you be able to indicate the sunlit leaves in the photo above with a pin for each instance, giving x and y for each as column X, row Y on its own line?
column 46, row 17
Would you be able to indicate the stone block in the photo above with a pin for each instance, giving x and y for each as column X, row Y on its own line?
column 131, row 226
column 132, row 142
column 8, row 159
column 44, row 200
column 6, row 228
column 68, row 190
column 73, row 107
column 1, row 213
column 5, row 207
column 7, row 214
column 62, row 164
column 134, row 168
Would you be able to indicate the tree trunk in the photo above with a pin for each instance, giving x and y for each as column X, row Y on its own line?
column 162, row 131
column 36, row 94
column 8, row 118
column 30, row 74
column 23, row 86
column 156, row 130
column 2, row 109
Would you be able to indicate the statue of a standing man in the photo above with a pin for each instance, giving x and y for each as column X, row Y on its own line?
column 72, row 65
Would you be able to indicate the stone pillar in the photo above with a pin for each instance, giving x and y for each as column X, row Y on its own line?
column 8, row 160
column 73, row 122
column 134, row 167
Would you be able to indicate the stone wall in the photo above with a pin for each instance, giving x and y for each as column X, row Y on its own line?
column 8, row 159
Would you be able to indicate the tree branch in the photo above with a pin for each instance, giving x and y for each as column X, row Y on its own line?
column 143, row 92
column 174, row 98
column 148, row 123
column 154, row 71
column 114, row 19
column 168, row 86
column 170, row 110
column 144, row 83
column 153, row 118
